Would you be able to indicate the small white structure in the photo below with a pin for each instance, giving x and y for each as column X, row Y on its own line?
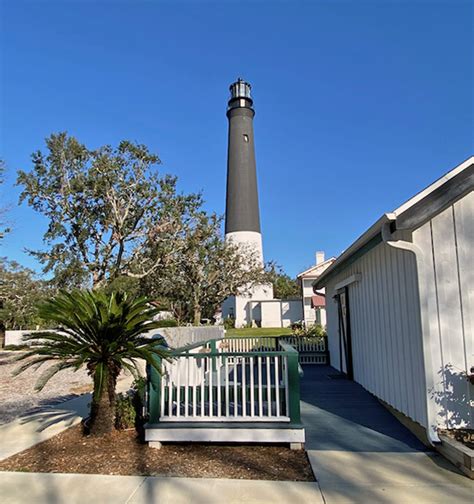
column 400, row 305
column 257, row 310
column 314, row 303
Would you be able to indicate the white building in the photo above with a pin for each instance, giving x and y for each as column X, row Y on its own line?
column 314, row 303
column 400, row 305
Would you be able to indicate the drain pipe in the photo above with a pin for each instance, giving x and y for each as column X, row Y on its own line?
column 431, row 413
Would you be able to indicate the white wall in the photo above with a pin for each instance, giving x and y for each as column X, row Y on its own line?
column 271, row 313
column 175, row 336
column 311, row 315
column 239, row 306
column 386, row 328
column 447, row 285
column 15, row 337
column 387, row 318
column 291, row 311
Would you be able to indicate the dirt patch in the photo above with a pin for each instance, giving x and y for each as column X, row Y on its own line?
column 124, row 453
column 464, row 436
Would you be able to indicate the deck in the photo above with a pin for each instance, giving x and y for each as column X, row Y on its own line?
column 339, row 414
column 231, row 390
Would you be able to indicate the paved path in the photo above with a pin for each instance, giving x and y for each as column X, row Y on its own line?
column 361, row 453
column 33, row 488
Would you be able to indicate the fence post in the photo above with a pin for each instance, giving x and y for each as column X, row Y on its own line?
column 213, row 350
column 326, row 350
column 154, row 391
column 294, row 387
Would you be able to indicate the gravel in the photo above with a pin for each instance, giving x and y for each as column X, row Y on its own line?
column 17, row 394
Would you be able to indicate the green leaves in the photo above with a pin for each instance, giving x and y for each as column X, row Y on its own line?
column 103, row 331
column 108, row 210
column 284, row 287
column 20, row 291
column 205, row 270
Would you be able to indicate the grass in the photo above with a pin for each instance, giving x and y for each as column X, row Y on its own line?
column 259, row 331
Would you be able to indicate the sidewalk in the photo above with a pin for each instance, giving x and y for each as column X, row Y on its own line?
column 358, row 451
column 37, row 488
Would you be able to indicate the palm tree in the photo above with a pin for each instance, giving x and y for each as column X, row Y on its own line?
column 105, row 333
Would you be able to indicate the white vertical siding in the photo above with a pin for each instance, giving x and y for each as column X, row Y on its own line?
column 386, row 319
column 386, row 328
column 447, row 242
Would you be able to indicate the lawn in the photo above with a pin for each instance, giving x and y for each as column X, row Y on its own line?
column 259, row 331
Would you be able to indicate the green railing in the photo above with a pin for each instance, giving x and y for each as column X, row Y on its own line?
column 207, row 382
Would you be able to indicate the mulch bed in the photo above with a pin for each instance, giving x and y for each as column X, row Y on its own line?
column 124, row 453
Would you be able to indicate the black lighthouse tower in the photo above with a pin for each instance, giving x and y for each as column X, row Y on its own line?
column 242, row 221
column 242, row 216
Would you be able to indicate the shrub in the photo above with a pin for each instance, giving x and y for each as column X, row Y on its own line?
column 229, row 323
column 166, row 323
column 125, row 411
column 139, row 398
column 296, row 326
column 312, row 331
column 316, row 330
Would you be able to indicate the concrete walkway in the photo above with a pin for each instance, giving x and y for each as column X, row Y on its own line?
column 359, row 451
column 34, row 488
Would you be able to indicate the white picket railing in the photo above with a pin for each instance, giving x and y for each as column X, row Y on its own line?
column 260, row 343
column 225, row 388
column 306, row 344
column 311, row 350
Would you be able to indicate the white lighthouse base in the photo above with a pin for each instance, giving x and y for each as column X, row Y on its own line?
column 250, row 240
column 258, row 308
column 246, row 309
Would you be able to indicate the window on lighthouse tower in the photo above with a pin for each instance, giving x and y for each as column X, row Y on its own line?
column 246, row 138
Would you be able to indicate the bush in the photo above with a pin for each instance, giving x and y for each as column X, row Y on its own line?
column 129, row 407
column 316, row 330
column 167, row 323
column 229, row 323
column 139, row 390
column 296, row 326
column 125, row 412
column 312, row 331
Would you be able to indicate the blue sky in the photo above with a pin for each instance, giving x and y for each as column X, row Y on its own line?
column 359, row 105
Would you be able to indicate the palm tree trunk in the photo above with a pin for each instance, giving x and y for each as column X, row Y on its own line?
column 102, row 420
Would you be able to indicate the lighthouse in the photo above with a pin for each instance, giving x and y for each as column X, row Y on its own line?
column 242, row 217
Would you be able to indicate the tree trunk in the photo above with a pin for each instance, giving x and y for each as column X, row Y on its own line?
column 197, row 315
column 2, row 328
column 102, row 418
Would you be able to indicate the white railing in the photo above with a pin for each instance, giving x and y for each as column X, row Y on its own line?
column 306, row 343
column 311, row 350
column 262, row 343
column 224, row 387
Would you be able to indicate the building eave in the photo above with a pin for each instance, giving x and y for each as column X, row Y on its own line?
column 308, row 273
column 362, row 245
column 412, row 214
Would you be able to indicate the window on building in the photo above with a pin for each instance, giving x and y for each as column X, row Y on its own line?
column 246, row 138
